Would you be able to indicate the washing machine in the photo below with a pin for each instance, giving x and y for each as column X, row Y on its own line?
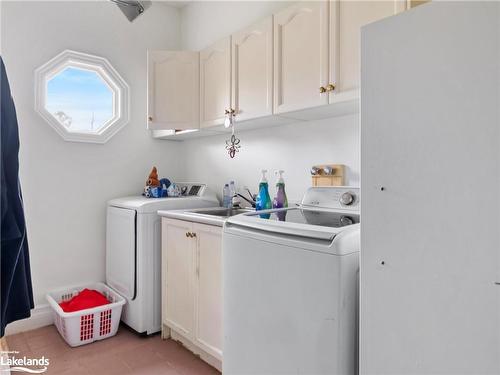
column 133, row 251
column 290, row 287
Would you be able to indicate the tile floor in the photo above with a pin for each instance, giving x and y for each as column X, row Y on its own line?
column 124, row 354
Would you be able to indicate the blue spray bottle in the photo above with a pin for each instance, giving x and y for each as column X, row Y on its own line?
column 263, row 201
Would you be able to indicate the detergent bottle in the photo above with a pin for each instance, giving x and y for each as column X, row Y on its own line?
column 263, row 201
column 280, row 201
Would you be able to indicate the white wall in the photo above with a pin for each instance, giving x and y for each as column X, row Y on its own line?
column 66, row 184
column 294, row 148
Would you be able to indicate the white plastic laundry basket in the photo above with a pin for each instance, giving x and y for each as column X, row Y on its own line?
column 85, row 326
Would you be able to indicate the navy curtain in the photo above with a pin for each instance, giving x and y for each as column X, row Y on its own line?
column 16, row 299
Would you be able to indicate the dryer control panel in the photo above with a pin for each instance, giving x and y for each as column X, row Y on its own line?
column 191, row 190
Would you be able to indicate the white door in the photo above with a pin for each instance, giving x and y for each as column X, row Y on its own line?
column 430, row 238
column 178, row 252
column 121, row 251
column 252, row 71
column 215, row 83
column 209, row 288
column 173, row 87
column 346, row 20
column 301, row 56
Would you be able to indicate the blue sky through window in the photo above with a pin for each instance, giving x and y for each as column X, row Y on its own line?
column 79, row 99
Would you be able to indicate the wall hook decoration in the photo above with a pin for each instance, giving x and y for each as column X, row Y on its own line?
column 233, row 143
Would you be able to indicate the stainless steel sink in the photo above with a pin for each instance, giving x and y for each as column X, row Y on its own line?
column 223, row 212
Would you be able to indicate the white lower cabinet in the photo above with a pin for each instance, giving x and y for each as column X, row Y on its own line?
column 178, row 253
column 192, row 287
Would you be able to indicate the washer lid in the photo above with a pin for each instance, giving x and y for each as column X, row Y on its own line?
column 152, row 205
column 324, row 218
column 301, row 222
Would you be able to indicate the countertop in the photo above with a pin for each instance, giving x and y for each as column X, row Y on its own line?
column 190, row 215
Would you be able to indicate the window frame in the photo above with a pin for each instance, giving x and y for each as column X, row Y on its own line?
column 102, row 67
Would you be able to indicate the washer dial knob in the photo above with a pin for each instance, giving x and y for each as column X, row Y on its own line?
column 346, row 220
column 346, row 199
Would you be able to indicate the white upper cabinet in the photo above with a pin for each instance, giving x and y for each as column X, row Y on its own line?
column 347, row 18
column 173, row 87
column 301, row 56
column 290, row 65
column 215, row 83
column 252, row 71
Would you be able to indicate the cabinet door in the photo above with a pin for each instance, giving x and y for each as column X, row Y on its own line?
column 215, row 83
column 252, row 71
column 173, row 87
column 301, row 56
column 209, row 288
column 178, row 259
column 347, row 18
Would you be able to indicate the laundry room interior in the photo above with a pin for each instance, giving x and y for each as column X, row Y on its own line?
column 250, row 187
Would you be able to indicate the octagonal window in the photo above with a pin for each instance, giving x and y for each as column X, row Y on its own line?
column 80, row 100
column 82, row 97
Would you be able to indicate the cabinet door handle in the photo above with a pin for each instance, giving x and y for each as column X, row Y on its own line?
column 150, row 118
column 330, row 87
column 188, row 234
column 322, row 90
column 198, row 262
column 193, row 234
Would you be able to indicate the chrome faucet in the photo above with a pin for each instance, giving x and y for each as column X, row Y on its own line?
column 252, row 199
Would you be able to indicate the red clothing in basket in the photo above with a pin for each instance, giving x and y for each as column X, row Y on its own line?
column 86, row 299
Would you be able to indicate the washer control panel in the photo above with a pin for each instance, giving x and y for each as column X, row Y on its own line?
column 346, row 199
column 333, row 197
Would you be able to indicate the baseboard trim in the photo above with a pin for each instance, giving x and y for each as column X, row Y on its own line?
column 188, row 344
column 41, row 316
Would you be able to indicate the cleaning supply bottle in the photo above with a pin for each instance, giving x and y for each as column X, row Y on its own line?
column 226, row 197
column 235, row 199
column 263, row 201
column 280, row 201
column 232, row 189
